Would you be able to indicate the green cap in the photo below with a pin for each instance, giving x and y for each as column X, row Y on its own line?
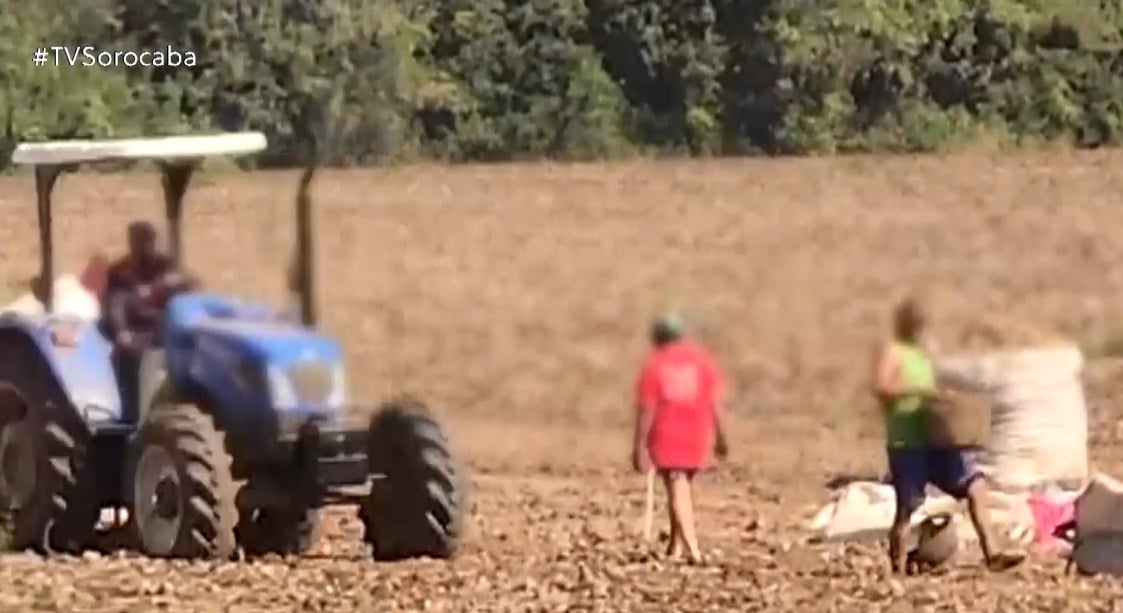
column 668, row 327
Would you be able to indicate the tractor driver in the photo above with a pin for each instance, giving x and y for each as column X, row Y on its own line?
column 138, row 287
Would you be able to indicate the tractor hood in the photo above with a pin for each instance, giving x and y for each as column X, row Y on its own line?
column 237, row 351
column 303, row 371
column 256, row 330
column 277, row 343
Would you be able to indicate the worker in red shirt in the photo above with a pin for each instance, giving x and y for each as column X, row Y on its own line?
column 678, row 423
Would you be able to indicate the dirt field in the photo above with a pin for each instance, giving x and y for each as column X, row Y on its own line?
column 516, row 298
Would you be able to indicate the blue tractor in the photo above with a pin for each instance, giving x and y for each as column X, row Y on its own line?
column 238, row 430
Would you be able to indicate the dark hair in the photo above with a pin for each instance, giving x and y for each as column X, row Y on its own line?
column 142, row 229
column 908, row 319
column 661, row 336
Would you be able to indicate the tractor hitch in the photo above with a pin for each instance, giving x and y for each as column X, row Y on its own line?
column 332, row 456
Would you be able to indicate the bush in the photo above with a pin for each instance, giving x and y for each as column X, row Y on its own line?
column 580, row 79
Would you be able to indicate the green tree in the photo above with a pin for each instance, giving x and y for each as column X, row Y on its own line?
column 527, row 83
column 261, row 60
column 668, row 57
column 505, row 79
column 57, row 100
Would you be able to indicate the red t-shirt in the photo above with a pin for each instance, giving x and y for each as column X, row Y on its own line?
column 680, row 384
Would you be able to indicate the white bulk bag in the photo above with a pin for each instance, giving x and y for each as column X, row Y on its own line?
column 1039, row 421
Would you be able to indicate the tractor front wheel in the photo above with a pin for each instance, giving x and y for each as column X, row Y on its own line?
column 181, row 492
column 419, row 491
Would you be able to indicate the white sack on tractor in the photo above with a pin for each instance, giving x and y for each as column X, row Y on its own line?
column 1038, row 423
column 71, row 299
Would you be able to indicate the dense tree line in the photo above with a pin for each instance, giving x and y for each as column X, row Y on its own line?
column 503, row 79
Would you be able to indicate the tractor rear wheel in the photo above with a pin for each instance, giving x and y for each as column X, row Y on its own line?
column 419, row 491
column 44, row 488
column 181, row 492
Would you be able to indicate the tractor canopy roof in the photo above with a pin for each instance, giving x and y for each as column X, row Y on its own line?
column 177, row 158
column 168, row 148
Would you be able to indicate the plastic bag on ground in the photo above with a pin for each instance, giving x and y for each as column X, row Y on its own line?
column 1051, row 512
column 865, row 510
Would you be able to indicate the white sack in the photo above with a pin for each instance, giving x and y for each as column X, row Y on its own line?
column 71, row 299
column 865, row 510
column 1039, row 421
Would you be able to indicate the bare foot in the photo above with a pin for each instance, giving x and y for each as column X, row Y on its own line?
column 694, row 557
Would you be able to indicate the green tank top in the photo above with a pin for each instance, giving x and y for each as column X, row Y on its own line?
column 904, row 417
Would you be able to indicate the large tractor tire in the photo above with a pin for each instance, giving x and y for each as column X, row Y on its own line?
column 181, row 492
column 419, row 490
column 279, row 531
column 46, row 488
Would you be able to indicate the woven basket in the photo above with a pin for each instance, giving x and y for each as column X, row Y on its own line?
column 960, row 422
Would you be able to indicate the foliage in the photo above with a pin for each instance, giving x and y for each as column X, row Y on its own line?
column 504, row 79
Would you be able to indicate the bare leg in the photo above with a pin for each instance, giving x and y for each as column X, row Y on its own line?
column 898, row 555
column 976, row 505
column 682, row 500
column 674, row 547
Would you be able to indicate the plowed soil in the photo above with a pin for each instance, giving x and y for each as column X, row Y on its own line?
column 515, row 299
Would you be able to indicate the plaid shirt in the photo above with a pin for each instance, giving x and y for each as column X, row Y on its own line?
column 133, row 302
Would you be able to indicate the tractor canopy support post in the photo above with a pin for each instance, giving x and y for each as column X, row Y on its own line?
column 176, row 177
column 310, row 125
column 46, row 175
column 305, row 266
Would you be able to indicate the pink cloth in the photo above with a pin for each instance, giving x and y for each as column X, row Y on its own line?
column 1049, row 513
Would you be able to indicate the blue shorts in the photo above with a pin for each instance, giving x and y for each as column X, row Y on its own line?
column 911, row 470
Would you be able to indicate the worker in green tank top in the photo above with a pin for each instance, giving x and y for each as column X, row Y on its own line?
column 905, row 385
column 904, row 419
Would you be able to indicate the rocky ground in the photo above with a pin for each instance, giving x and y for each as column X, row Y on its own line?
column 542, row 543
